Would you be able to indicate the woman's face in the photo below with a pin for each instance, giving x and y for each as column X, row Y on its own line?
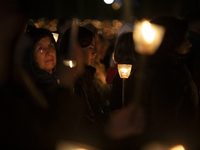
column 45, row 54
column 90, row 53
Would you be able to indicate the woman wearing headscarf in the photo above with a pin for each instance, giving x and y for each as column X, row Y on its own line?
column 40, row 60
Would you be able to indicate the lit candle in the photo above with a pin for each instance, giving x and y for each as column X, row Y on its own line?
column 147, row 37
column 69, row 63
column 147, row 32
column 124, row 70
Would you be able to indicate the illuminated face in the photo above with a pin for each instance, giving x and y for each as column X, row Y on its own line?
column 45, row 54
column 90, row 53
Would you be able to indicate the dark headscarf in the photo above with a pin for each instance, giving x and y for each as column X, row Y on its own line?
column 35, row 35
column 175, row 31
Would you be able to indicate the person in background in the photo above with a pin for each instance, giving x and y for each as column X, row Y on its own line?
column 124, row 54
column 109, row 58
column 193, row 57
column 84, row 88
column 168, row 95
column 103, row 88
column 101, row 46
column 28, row 120
column 40, row 60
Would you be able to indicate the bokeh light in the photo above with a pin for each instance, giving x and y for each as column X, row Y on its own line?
column 178, row 147
column 116, row 6
column 148, row 32
column 108, row 1
column 109, row 28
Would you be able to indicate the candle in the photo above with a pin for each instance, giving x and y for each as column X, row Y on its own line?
column 147, row 37
column 69, row 63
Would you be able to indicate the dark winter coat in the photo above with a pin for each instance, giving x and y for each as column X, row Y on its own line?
column 47, row 83
column 85, row 89
column 193, row 59
column 169, row 98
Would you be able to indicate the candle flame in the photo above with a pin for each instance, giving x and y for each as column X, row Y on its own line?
column 148, row 32
column 70, row 64
column 124, row 70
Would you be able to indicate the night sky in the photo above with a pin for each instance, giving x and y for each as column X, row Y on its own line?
column 97, row 9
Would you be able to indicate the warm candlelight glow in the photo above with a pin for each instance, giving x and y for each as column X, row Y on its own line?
column 124, row 70
column 147, row 37
column 116, row 6
column 147, row 32
column 108, row 1
column 178, row 147
column 68, row 145
column 55, row 35
column 69, row 63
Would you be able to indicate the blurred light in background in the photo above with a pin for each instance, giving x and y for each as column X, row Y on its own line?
column 55, row 35
column 108, row 1
column 117, row 4
column 107, row 27
column 147, row 37
column 147, row 32
column 69, row 145
column 178, row 147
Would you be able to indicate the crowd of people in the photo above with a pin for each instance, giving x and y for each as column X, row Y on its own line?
column 45, row 101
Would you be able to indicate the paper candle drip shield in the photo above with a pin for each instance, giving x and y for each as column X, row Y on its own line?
column 124, row 70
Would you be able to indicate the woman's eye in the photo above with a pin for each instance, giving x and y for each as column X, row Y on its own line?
column 40, row 49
